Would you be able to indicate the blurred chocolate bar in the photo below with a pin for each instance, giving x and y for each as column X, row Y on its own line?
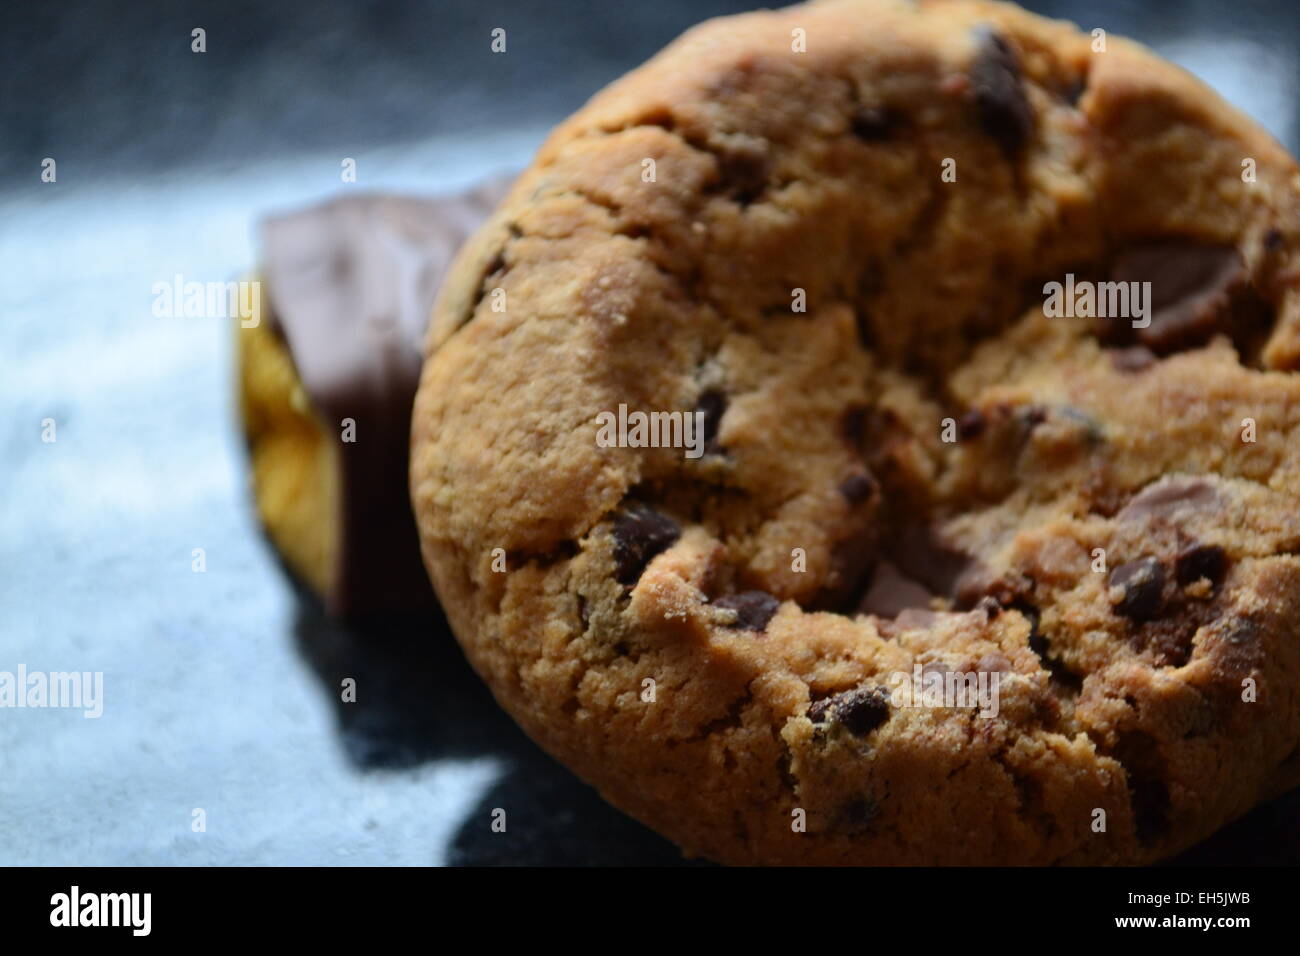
column 326, row 385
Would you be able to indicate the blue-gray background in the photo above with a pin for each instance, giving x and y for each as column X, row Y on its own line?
column 220, row 687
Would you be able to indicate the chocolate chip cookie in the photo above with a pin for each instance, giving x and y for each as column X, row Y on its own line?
column 988, row 333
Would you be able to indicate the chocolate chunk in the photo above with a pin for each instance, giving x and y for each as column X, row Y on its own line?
column 1136, row 358
column 892, row 592
column 640, row 533
column 858, row 487
column 860, row 710
column 1165, row 498
column 1273, row 240
column 1142, row 582
column 351, row 284
column 713, row 404
column 1200, row 561
column 1192, row 290
column 1004, row 110
column 819, row 710
column 753, row 609
column 971, row 425
column 871, row 123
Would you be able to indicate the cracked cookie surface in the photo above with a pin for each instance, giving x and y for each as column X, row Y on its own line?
column 711, row 641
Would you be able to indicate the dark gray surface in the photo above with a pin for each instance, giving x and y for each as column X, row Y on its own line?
column 111, row 89
column 221, row 687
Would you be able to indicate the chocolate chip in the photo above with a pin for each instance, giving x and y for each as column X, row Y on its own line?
column 1191, row 292
column 1198, row 561
column 640, row 533
column 1273, row 240
column 853, row 425
column 753, row 609
column 1236, row 646
column 1142, row 582
column 863, row 710
column 1136, row 358
column 713, row 404
column 872, row 123
column 857, row 815
column 858, row 487
column 819, row 710
column 860, row 710
column 971, row 425
column 1004, row 110
column 743, row 173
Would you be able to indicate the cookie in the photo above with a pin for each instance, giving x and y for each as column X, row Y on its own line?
column 326, row 385
column 944, row 558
